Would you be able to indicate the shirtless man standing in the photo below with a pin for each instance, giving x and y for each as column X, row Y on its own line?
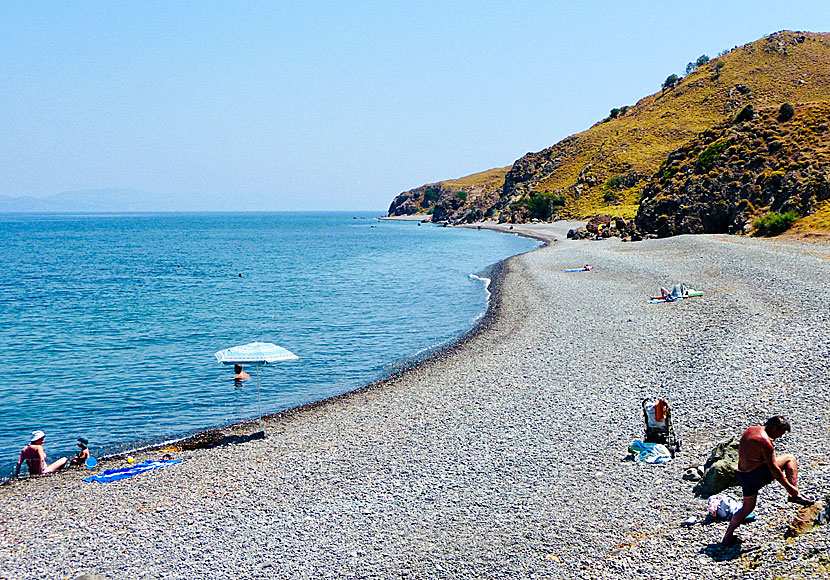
column 35, row 457
column 758, row 466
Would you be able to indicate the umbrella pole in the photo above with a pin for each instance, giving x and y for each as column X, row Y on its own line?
column 258, row 399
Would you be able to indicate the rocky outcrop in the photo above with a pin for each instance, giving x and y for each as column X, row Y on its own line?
column 533, row 167
column 720, row 470
column 731, row 175
column 605, row 226
column 464, row 200
column 404, row 204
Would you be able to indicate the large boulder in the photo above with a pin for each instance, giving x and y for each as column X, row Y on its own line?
column 720, row 470
column 805, row 520
column 594, row 223
column 580, row 233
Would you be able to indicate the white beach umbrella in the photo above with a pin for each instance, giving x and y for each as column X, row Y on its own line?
column 255, row 353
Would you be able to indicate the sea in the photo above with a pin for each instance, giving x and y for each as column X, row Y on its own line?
column 109, row 323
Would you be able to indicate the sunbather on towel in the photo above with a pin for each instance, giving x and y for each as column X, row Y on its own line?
column 758, row 466
column 35, row 457
column 666, row 295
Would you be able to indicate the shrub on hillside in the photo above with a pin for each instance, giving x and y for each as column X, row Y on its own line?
column 614, row 182
column 462, row 195
column 692, row 66
column 707, row 157
column 786, row 112
column 746, row 114
column 541, row 206
column 671, row 82
column 774, row 223
column 431, row 194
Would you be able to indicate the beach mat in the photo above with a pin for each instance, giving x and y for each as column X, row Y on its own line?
column 657, row 299
column 693, row 294
column 125, row 472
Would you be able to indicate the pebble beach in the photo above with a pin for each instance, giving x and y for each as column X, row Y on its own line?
column 503, row 456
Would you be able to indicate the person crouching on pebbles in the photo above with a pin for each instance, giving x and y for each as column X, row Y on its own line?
column 758, row 466
column 35, row 457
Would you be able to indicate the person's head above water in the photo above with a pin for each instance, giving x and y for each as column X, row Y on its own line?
column 237, row 369
column 776, row 426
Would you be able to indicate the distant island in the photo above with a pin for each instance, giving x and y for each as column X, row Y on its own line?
column 737, row 145
column 95, row 200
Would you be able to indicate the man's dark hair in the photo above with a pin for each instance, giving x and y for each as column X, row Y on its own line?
column 779, row 421
column 237, row 369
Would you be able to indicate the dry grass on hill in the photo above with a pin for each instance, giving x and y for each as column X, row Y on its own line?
column 777, row 69
column 603, row 169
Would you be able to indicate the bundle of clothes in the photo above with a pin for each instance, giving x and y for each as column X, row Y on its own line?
column 652, row 453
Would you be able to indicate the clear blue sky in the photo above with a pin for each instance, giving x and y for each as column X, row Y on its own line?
column 341, row 105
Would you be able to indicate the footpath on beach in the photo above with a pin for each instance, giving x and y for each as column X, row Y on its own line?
column 504, row 457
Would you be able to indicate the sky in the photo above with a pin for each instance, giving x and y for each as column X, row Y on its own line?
column 306, row 105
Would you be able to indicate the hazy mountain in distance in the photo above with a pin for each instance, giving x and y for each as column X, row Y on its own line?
column 107, row 201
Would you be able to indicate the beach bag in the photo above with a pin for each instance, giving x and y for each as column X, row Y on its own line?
column 652, row 413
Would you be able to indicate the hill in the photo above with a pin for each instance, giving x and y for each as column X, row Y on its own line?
column 90, row 200
column 766, row 168
column 604, row 168
column 466, row 199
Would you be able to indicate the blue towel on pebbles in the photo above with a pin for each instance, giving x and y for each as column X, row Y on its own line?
column 125, row 472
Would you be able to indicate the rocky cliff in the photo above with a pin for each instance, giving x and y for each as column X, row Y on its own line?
column 464, row 200
column 772, row 160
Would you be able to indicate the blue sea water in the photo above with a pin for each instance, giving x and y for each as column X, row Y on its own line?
column 109, row 322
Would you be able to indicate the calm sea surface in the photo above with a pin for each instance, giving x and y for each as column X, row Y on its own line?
column 108, row 324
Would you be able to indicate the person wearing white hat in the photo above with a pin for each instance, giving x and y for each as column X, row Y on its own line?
column 35, row 457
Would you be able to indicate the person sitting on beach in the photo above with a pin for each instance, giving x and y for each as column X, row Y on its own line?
column 758, row 466
column 587, row 267
column 240, row 374
column 83, row 454
column 35, row 457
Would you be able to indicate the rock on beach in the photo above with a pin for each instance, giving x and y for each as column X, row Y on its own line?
column 504, row 456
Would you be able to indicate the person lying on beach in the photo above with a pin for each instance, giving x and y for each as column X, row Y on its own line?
column 82, row 455
column 758, row 466
column 240, row 374
column 35, row 457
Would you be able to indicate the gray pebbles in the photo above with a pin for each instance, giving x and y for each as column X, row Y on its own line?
column 503, row 457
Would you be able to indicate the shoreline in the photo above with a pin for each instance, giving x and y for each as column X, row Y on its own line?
column 241, row 431
column 415, row 217
column 208, row 437
column 502, row 456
